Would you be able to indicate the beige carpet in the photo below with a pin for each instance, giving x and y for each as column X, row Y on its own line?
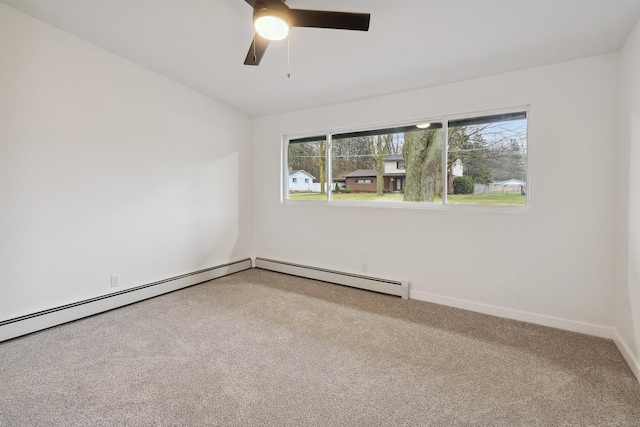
column 263, row 349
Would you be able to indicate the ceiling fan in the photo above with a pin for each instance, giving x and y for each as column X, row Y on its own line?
column 273, row 19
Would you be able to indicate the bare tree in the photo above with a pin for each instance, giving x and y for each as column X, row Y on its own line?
column 310, row 157
column 490, row 151
column 350, row 154
column 422, row 157
column 379, row 146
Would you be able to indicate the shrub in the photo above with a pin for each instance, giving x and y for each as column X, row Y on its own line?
column 463, row 185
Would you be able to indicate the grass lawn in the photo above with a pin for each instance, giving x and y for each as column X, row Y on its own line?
column 350, row 197
column 488, row 199
column 480, row 199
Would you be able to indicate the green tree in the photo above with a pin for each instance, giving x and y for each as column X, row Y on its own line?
column 462, row 185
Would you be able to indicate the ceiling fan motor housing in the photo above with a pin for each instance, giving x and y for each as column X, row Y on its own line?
column 276, row 9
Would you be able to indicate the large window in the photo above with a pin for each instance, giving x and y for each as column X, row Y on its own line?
column 478, row 160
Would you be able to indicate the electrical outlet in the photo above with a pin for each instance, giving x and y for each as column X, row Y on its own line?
column 364, row 268
column 115, row 280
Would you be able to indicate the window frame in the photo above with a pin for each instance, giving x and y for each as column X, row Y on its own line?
column 327, row 135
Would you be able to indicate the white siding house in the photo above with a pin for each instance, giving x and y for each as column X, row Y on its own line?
column 300, row 180
column 394, row 163
column 456, row 168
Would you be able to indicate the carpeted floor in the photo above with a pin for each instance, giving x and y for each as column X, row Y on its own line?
column 263, row 349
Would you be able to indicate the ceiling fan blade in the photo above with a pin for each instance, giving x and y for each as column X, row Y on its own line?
column 256, row 50
column 252, row 3
column 335, row 20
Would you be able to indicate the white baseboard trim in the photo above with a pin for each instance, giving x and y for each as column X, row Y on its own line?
column 523, row 316
column 627, row 354
column 391, row 287
column 27, row 324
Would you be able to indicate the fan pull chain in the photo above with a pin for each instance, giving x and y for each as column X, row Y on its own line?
column 255, row 58
column 289, row 56
column 288, row 52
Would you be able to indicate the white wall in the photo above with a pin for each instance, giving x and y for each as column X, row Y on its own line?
column 107, row 168
column 627, row 296
column 552, row 265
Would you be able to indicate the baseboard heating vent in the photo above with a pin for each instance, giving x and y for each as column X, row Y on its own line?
column 375, row 284
column 27, row 324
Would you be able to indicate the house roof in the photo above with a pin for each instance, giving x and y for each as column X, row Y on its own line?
column 509, row 182
column 361, row 173
column 300, row 171
column 393, row 158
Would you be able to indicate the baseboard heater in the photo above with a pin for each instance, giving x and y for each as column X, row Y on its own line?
column 27, row 324
column 375, row 284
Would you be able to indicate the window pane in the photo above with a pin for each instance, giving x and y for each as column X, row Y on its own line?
column 486, row 160
column 402, row 164
column 307, row 168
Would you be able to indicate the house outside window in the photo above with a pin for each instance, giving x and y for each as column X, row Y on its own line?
column 301, row 181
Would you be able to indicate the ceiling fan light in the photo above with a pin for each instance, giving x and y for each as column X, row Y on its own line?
column 272, row 24
column 423, row 125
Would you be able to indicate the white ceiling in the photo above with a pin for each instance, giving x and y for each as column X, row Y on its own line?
column 411, row 43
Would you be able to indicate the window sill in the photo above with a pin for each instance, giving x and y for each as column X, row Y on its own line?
column 416, row 205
